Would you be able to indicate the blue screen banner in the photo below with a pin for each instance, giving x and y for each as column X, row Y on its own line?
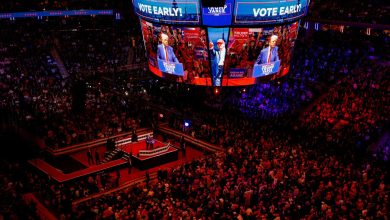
column 170, row 67
column 268, row 12
column 174, row 11
column 266, row 69
column 31, row 14
column 218, row 16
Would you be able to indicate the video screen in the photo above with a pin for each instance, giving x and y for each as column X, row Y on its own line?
column 217, row 38
column 249, row 12
column 216, row 56
column 259, row 52
column 172, row 12
column 177, row 53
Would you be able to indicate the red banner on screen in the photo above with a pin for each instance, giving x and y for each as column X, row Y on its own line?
column 241, row 33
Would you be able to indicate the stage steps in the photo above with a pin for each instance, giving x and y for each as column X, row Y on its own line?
column 126, row 156
column 110, row 155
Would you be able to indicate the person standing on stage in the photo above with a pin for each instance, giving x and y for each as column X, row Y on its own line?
column 89, row 155
column 130, row 163
column 270, row 53
column 147, row 140
column 97, row 157
column 134, row 137
column 152, row 143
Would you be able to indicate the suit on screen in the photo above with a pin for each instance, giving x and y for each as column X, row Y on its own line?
column 264, row 54
column 161, row 53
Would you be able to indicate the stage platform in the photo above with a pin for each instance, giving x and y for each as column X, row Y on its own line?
column 144, row 159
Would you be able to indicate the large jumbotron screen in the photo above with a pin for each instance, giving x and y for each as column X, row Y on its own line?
column 237, row 44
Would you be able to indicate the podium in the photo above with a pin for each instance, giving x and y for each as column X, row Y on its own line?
column 265, row 69
column 171, row 67
column 146, row 159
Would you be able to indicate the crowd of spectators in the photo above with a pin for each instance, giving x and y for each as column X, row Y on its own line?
column 382, row 150
column 266, row 173
column 367, row 11
column 35, row 92
column 270, row 169
column 95, row 51
column 14, row 184
column 356, row 104
column 53, row 195
column 30, row 79
column 105, row 115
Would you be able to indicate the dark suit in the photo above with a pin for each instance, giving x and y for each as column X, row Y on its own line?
column 264, row 54
column 161, row 53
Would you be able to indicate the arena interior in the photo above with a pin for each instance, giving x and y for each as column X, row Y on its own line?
column 94, row 125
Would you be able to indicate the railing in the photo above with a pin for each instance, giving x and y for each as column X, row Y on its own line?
column 127, row 140
column 199, row 143
column 94, row 143
column 154, row 151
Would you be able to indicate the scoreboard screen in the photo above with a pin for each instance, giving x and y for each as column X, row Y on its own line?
column 233, row 44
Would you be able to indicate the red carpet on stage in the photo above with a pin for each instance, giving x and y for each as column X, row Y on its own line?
column 135, row 147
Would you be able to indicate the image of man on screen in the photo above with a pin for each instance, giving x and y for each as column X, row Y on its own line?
column 270, row 53
column 218, row 60
column 164, row 51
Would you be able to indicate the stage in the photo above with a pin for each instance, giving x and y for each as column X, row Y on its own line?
column 144, row 159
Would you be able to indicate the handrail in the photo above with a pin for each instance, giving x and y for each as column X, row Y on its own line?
column 154, row 151
column 89, row 144
column 192, row 140
column 128, row 140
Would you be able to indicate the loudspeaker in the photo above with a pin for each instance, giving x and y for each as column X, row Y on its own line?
column 213, row 3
